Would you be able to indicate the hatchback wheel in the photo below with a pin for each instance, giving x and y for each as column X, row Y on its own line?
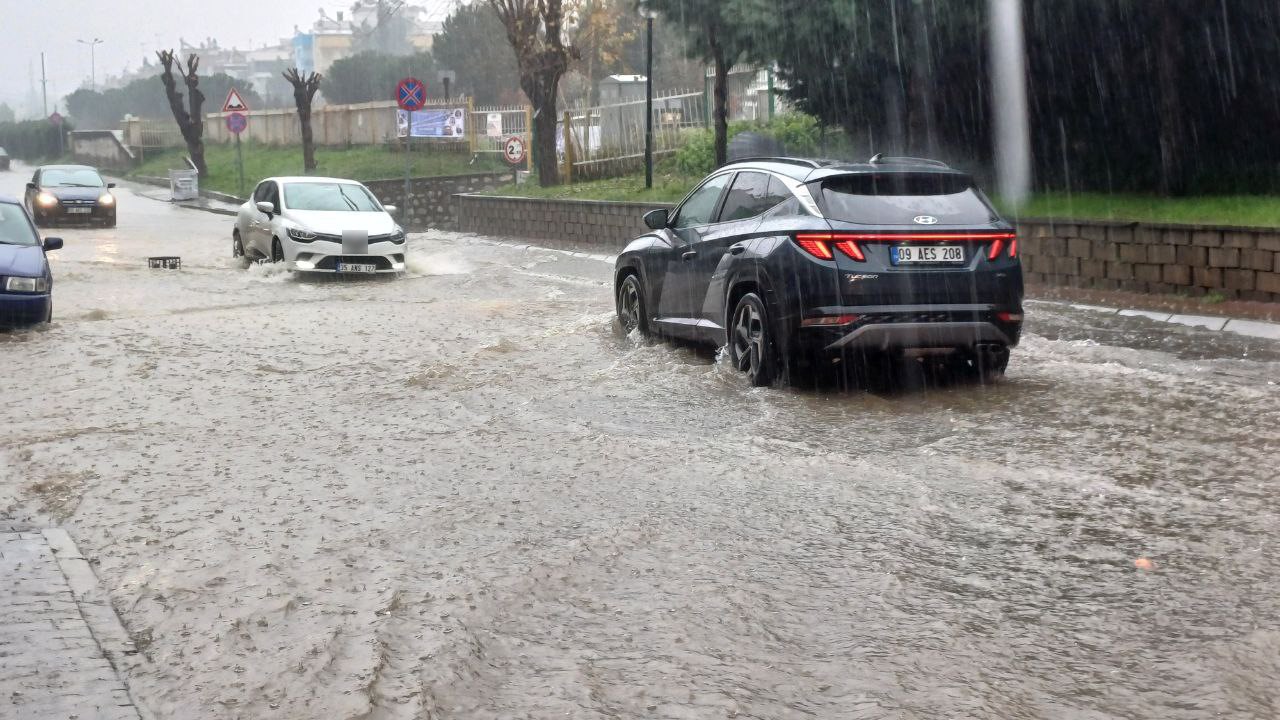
column 630, row 307
column 751, row 345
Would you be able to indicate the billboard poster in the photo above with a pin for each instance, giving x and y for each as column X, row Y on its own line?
column 493, row 125
column 434, row 123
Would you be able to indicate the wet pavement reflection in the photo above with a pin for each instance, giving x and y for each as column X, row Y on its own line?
column 463, row 494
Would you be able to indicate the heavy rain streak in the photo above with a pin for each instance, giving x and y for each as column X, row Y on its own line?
column 434, row 359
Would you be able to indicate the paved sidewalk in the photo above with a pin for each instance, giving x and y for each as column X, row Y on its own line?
column 60, row 640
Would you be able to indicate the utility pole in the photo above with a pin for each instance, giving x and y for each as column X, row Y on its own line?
column 1009, row 101
column 44, row 89
column 93, row 64
column 648, row 14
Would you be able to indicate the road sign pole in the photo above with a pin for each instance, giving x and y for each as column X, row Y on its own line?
column 408, row 161
column 240, row 164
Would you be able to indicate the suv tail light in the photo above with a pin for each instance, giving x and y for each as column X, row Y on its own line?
column 819, row 245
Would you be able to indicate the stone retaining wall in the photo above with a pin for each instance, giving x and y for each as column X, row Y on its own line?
column 582, row 223
column 430, row 204
column 1237, row 263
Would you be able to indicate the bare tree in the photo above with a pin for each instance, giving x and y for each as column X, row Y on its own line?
column 190, row 119
column 534, row 30
column 304, row 91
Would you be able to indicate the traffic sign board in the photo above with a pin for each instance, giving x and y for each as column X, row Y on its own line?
column 234, row 102
column 411, row 94
column 513, row 149
column 237, row 122
column 56, row 118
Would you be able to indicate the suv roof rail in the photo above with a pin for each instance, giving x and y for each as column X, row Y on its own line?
column 803, row 162
column 880, row 159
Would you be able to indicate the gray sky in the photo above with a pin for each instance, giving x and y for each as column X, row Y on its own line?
column 129, row 29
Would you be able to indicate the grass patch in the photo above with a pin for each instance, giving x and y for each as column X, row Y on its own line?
column 670, row 185
column 358, row 163
column 1245, row 210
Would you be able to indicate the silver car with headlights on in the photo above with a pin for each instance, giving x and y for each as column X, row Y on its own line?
column 315, row 224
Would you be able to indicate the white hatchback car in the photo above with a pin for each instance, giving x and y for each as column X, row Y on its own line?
column 317, row 224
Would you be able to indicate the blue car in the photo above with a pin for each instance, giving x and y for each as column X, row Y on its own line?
column 26, row 285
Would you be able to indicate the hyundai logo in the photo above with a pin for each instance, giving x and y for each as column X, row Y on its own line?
column 926, row 220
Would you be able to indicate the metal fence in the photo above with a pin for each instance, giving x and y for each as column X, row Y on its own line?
column 603, row 140
column 491, row 125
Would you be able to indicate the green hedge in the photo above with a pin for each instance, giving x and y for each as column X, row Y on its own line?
column 798, row 133
column 31, row 139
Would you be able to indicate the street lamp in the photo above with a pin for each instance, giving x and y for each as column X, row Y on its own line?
column 648, row 14
column 93, row 65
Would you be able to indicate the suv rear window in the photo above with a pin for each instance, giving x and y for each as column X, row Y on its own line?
column 900, row 198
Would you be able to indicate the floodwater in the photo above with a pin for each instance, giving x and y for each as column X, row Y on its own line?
column 461, row 494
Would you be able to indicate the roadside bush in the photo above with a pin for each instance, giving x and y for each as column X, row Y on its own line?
column 31, row 139
column 799, row 133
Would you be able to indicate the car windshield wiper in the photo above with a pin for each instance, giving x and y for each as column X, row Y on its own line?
column 343, row 193
column 14, row 242
column 77, row 185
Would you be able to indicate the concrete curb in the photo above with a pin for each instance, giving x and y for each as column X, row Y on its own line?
column 1251, row 328
column 57, row 616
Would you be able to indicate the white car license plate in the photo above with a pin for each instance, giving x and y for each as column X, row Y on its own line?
column 79, row 211
column 902, row 254
column 357, row 267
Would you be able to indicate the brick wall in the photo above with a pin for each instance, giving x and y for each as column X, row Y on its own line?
column 430, row 198
column 1241, row 263
column 1238, row 263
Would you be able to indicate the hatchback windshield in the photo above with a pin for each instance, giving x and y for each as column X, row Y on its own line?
column 14, row 227
column 900, row 198
column 81, row 177
column 340, row 197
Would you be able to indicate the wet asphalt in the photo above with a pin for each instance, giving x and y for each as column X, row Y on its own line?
column 462, row 494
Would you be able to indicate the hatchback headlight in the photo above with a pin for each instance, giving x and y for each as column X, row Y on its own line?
column 107, row 199
column 45, row 199
column 26, row 284
column 301, row 235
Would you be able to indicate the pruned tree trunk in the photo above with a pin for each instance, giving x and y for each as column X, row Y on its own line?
column 304, row 92
column 190, row 119
column 534, row 30
column 720, row 100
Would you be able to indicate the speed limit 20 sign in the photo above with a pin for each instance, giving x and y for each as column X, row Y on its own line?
column 513, row 150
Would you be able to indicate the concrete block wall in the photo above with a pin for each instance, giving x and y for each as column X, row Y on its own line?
column 567, row 223
column 430, row 202
column 1237, row 263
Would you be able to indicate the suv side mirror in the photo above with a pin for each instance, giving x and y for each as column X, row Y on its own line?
column 110, row 185
column 31, row 186
column 391, row 209
column 657, row 219
column 52, row 244
column 266, row 207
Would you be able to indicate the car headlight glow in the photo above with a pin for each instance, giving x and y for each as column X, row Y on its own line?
column 26, row 284
column 301, row 235
column 45, row 199
column 108, row 199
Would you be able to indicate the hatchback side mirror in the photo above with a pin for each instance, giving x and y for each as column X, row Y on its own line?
column 266, row 207
column 392, row 209
column 657, row 219
column 31, row 186
column 52, row 244
column 110, row 185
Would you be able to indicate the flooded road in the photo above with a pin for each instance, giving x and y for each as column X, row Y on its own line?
column 461, row 494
